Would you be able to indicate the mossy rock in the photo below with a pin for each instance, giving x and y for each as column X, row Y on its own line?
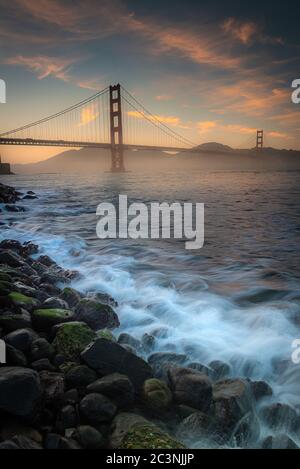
column 22, row 300
column 149, row 437
column 106, row 334
column 5, row 287
column 156, row 395
column 72, row 338
column 44, row 319
column 5, row 277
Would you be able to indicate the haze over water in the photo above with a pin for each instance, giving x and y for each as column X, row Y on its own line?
column 235, row 300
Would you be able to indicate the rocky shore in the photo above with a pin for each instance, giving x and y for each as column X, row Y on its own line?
column 70, row 381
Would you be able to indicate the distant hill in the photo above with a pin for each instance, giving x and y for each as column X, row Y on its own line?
column 209, row 156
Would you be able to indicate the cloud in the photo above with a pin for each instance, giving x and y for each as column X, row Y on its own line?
column 247, row 32
column 206, row 126
column 168, row 120
column 88, row 114
column 44, row 66
column 164, row 97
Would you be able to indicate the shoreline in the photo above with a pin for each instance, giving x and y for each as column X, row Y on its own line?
column 88, row 388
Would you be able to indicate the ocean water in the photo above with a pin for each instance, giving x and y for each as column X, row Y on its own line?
column 236, row 300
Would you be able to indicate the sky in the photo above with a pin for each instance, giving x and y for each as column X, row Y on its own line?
column 212, row 70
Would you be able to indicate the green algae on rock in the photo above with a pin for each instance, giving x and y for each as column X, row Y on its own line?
column 149, row 436
column 47, row 318
column 72, row 338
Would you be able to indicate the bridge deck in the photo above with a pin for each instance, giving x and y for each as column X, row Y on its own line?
column 78, row 144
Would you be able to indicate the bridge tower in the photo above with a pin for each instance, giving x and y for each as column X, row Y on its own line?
column 259, row 140
column 116, row 130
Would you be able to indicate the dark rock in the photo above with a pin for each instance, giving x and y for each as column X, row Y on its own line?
column 10, row 321
column 162, row 362
column 71, row 397
column 127, row 339
column 8, row 445
column 117, row 387
column 80, row 377
column 279, row 442
column 21, row 339
column 42, row 365
column 107, row 357
column 218, row 370
column 41, row 349
column 199, row 367
column 15, row 357
column 20, row 391
column 72, row 338
column 89, row 438
column 191, row 388
column 102, row 298
column 14, row 208
column 54, row 388
column 96, row 315
column 69, row 444
column 11, row 258
column 261, row 389
column 148, row 342
column 49, row 289
column 26, row 443
column 96, row 409
column 68, row 417
column 280, row 416
column 55, row 303
column 18, row 300
column 53, row 441
column 71, row 297
column 196, row 427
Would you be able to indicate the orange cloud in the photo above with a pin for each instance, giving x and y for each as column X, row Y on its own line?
column 88, row 114
column 168, row 120
column 241, row 31
column 44, row 66
column 206, row 126
column 163, row 97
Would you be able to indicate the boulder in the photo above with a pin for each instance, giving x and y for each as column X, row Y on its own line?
column 156, row 395
column 107, row 357
column 42, row 365
column 261, row 389
column 71, row 297
column 191, row 388
column 115, row 386
column 11, row 258
column 89, row 438
column 10, row 321
column 54, row 388
column 218, row 370
column 72, row 338
column 21, row 339
column 20, row 391
column 41, row 349
column 15, row 357
column 279, row 442
column 127, row 339
column 44, row 319
column 22, row 301
column 196, row 427
column 96, row 315
column 131, row 431
column 80, row 377
column 280, row 416
column 55, row 303
column 96, row 409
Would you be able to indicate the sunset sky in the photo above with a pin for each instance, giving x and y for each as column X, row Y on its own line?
column 213, row 70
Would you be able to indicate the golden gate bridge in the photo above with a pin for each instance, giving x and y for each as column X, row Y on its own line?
column 113, row 119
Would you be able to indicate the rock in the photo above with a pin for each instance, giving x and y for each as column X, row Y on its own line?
column 5, row 288
column 196, row 427
column 232, row 401
column 96, row 409
column 162, row 362
column 26, row 443
column 23, row 301
column 156, row 395
column 8, row 445
column 15, row 357
column 218, row 370
column 191, row 388
column 131, row 431
column 71, row 297
column 29, row 197
column 117, row 387
column 21, row 339
column 184, row 411
column 68, row 417
column 279, row 442
column 107, row 357
column 102, row 298
column 69, row 444
column 11, row 427
column 72, row 338
column 11, row 321
column 71, row 397
column 53, row 441
column 127, row 339
column 106, row 334
column 54, row 388
column 20, row 391
column 261, row 389
column 96, row 315
column 89, row 438
column 42, row 365
column 44, row 319
column 41, row 349
column 11, row 258
column 148, row 342
column 80, row 377
column 55, row 303
column 47, row 261
column 280, row 416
